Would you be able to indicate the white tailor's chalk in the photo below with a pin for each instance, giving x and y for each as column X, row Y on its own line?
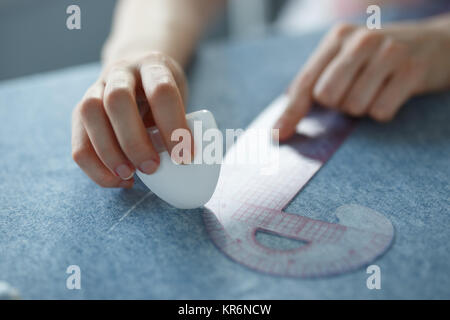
column 184, row 186
column 7, row 292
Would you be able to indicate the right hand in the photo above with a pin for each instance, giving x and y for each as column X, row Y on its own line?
column 109, row 137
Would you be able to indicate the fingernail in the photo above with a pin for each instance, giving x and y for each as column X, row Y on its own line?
column 149, row 166
column 124, row 172
column 126, row 184
column 279, row 124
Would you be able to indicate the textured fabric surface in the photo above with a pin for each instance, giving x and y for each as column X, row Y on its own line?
column 52, row 216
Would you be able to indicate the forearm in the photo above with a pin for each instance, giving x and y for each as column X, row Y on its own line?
column 169, row 26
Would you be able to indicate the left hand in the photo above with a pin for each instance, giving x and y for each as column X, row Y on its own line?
column 368, row 72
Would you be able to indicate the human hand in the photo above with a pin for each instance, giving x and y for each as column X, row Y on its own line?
column 368, row 72
column 109, row 138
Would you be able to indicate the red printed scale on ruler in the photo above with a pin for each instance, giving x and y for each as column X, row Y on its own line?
column 248, row 199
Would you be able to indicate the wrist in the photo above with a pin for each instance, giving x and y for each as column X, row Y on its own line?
column 132, row 53
column 177, row 45
column 438, row 43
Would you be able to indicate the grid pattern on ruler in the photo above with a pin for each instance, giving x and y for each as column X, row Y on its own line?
column 270, row 261
column 244, row 249
column 272, row 191
column 260, row 205
column 258, row 201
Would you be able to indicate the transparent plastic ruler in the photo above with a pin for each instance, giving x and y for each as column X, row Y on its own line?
column 251, row 197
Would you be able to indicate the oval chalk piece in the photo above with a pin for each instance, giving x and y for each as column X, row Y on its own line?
column 185, row 186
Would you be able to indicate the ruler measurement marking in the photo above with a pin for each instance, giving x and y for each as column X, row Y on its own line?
column 258, row 201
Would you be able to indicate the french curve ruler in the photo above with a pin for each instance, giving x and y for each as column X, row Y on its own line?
column 251, row 197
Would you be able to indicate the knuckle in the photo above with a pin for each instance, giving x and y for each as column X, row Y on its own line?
column 291, row 113
column 305, row 80
column 164, row 87
column 134, row 148
column 346, row 105
column 121, row 67
column 368, row 75
column 118, row 93
column 107, row 152
column 154, row 57
column 356, row 112
column 89, row 106
column 341, row 30
column 121, row 75
column 354, row 107
column 345, row 62
column 365, row 38
column 79, row 155
column 324, row 98
column 380, row 115
column 392, row 48
column 120, row 64
column 326, row 93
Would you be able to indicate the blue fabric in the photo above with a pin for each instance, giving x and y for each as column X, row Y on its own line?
column 53, row 216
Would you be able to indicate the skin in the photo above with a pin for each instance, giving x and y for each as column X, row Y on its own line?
column 354, row 70
column 143, row 61
column 371, row 73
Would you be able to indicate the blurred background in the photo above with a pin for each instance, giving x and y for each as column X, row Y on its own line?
column 34, row 37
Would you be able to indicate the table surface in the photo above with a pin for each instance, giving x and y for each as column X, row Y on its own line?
column 53, row 216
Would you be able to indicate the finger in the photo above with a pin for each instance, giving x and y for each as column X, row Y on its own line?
column 337, row 77
column 180, row 80
column 165, row 101
column 179, row 77
column 101, row 134
column 144, row 108
column 84, row 155
column 370, row 80
column 120, row 105
column 395, row 93
column 300, row 93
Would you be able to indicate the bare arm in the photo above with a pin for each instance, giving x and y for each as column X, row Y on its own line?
column 172, row 27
